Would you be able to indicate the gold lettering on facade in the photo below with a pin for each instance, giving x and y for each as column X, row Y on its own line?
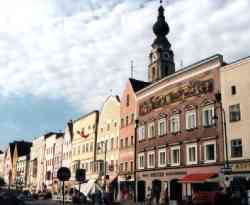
column 193, row 88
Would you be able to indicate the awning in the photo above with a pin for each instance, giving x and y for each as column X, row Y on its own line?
column 198, row 178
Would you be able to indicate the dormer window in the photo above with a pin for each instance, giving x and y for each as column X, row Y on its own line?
column 127, row 100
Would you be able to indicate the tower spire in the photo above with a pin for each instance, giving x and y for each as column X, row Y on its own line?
column 161, row 55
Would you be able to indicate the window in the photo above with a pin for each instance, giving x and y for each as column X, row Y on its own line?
column 233, row 90
column 151, row 159
column 141, row 161
column 126, row 166
column 126, row 120
column 175, row 156
column 126, row 142
column 132, row 118
column 127, row 101
column 236, row 148
column 175, row 123
column 151, row 130
column 132, row 140
column 141, row 135
column 91, row 147
column 79, row 149
column 190, row 119
column 161, row 157
column 162, row 127
column 122, row 123
column 208, row 115
column 210, row 151
column 87, row 147
column 191, row 154
column 121, row 167
column 234, row 111
column 132, row 166
column 108, row 127
column 112, row 144
column 121, row 143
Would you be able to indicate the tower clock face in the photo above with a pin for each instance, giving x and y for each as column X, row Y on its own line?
column 154, row 57
column 165, row 56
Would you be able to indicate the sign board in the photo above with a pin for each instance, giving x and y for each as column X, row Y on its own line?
column 80, row 175
column 63, row 174
column 241, row 167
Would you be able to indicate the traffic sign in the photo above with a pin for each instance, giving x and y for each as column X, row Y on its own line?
column 80, row 175
column 63, row 174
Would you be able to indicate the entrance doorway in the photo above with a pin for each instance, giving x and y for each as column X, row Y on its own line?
column 141, row 191
column 175, row 190
column 156, row 188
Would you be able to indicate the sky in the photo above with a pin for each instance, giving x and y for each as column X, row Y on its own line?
column 60, row 59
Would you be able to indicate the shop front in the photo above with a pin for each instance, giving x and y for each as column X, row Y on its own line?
column 173, row 184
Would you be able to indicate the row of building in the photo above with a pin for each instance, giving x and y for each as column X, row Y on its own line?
column 180, row 126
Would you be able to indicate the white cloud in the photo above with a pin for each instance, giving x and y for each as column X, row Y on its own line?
column 81, row 54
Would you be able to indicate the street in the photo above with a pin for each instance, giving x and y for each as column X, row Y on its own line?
column 42, row 202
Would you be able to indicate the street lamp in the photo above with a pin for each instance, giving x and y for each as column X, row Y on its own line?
column 227, row 169
column 104, row 143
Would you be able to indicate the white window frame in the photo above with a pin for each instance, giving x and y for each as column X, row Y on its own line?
column 163, row 150
column 188, row 146
column 193, row 124
column 177, row 119
column 206, row 108
column 150, row 125
column 172, row 156
column 148, row 164
column 142, row 154
column 163, row 120
column 205, row 151
column 141, row 133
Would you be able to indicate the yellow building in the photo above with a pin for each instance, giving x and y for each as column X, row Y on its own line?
column 108, row 142
column 235, row 86
column 83, row 144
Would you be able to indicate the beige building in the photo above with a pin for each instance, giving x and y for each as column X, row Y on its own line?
column 108, row 141
column 235, row 86
column 83, row 144
column 36, row 168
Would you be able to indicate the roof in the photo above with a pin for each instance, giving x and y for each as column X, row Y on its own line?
column 23, row 147
column 198, row 178
column 138, row 84
column 86, row 115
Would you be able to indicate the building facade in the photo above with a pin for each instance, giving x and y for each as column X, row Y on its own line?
column 178, row 136
column 83, row 144
column 235, row 100
column 49, row 154
column 57, row 161
column 108, row 143
column 22, row 169
column 127, row 138
column 37, row 166
column 2, row 161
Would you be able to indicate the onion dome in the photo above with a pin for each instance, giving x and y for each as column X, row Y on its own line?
column 161, row 28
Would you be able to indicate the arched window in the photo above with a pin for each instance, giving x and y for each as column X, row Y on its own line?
column 127, row 101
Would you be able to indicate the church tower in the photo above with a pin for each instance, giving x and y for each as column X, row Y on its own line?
column 161, row 56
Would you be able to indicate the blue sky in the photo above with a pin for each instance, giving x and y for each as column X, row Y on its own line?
column 60, row 58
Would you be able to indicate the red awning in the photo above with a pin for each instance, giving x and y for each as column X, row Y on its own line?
column 198, row 178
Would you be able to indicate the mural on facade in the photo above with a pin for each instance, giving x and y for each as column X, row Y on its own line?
column 193, row 88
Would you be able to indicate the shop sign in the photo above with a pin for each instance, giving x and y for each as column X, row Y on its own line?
column 162, row 174
column 193, row 88
column 241, row 167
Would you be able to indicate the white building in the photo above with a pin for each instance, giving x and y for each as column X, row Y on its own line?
column 36, row 170
column 2, row 154
column 22, row 170
column 51, row 159
column 58, row 153
column 67, row 144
